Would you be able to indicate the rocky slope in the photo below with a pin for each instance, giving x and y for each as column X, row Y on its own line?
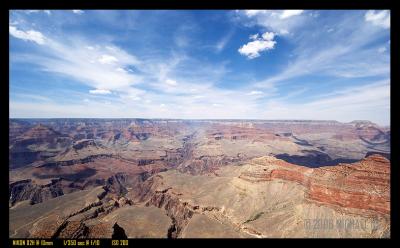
column 270, row 192
column 266, row 197
column 203, row 178
column 363, row 185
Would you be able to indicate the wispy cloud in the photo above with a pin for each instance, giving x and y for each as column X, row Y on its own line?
column 106, row 68
column 378, row 18
column 78, row 11
column 321, row 67
column 29, row 35
column 224, row 40
column 171, row 82
column 29, row 97
column 94, row 66
column 281, row 22
column 368, row 102
column 289, row 13
column 255, row 92
column 100, row 92
column 107, row 59
column 48, row 12
column 342, row 53
column 382, row 49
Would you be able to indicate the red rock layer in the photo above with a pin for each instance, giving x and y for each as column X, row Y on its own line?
column 362, row 185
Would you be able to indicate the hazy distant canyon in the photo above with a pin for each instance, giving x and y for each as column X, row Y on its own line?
column 157, row 178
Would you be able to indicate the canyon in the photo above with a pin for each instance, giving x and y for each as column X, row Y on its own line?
column 166, row 178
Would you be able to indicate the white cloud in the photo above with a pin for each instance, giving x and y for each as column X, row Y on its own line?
column 71, row 56
column 32, row 11
column 107, row 59
column 281, row 14
column 255, row 92
column 30, row 35
column 252, row 12
column 382, row 49
column 268, row 36
column 289, row 13
column 254, row 36
column 78, row 11
column 342, row 53
column 371, row 102
column 253, row 48
column 48, row 12
column 73, row 60
column 197, row 91
column 100, row 92
column 171, row 82
column 378, row 18
column 282, row 22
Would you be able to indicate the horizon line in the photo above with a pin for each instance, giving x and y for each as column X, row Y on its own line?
column 191, row 119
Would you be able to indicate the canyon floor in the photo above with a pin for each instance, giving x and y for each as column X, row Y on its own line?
column 84, row 178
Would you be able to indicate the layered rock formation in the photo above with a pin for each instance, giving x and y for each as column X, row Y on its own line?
column 269, row 197
column 203, row 178
column 26, row 190
column 266, row 197
column 364, row 185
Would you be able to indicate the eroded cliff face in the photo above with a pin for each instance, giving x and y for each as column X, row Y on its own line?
column 364, row 185
column 197, row 146
column 197, row 178
column 27, row 190
column 271, row 192
column 266, row 197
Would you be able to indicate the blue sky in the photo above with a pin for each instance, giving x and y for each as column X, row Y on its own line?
column 246, row 64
